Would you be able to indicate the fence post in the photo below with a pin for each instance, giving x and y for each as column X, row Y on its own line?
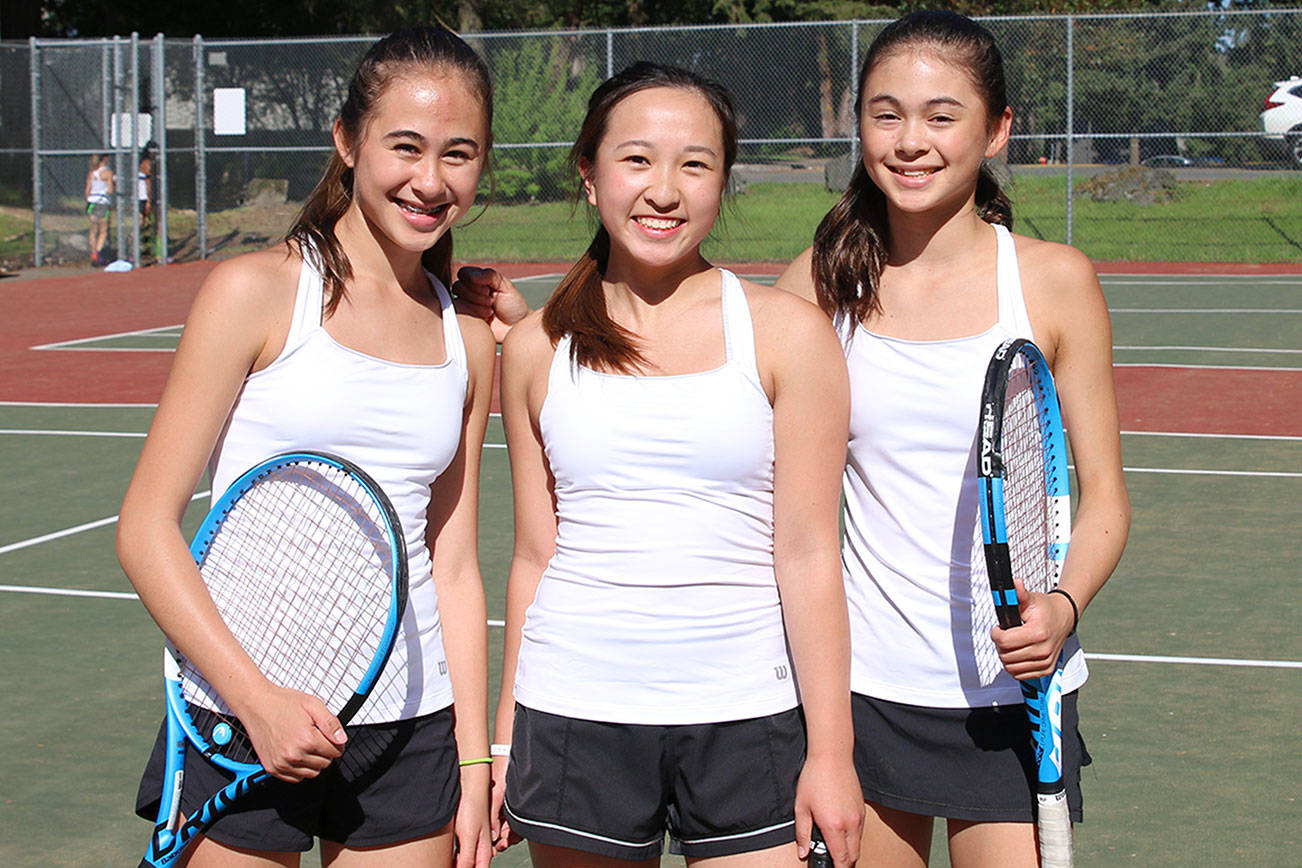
column 1071, row 135
column 37, row 237
column 610, row 52
column 119, row 164
column 133, row 170
column 200, row 161
column 854, row 89
column 160, row 136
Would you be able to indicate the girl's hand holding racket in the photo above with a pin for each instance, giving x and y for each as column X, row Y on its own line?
column 295, row 736
column 485, row 293
column 1031, row 649
column 829, row 799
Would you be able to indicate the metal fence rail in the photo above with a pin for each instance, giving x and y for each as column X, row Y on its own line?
column 1085, row 89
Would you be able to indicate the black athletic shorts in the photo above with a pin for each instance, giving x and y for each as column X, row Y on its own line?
column 394, row 782
column 615, row 789
column 973, row 764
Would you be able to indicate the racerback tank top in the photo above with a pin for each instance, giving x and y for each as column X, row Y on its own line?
column 660, row 604
column 912, row 530
column 400, row 422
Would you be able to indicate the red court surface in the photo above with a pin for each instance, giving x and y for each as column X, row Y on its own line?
column 57, row 309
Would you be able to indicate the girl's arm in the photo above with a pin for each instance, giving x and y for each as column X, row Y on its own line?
column 804, row 366
column 1070, row 317
column 226, row 335
column 526, row 358
column 452, row 534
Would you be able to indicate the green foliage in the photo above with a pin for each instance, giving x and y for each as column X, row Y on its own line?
column 542, row 88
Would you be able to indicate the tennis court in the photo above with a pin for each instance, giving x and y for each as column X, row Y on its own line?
column 1190, row 712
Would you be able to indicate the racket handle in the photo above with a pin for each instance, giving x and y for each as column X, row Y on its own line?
column 1053, row 826
column 818, row 855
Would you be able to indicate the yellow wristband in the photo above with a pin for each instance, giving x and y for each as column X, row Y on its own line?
column 477, row 761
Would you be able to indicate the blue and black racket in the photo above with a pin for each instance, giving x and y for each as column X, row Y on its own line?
column 304, row 557
column 1025, row 506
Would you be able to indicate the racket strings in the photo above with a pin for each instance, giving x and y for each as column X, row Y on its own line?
column 1036, row 514
column 301, row 571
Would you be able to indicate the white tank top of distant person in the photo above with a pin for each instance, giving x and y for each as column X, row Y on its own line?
column 401, row 423
column 912, row 526
column 98, row 194
column 660, row 604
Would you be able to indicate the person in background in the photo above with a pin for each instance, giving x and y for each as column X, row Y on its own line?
column 99, row 204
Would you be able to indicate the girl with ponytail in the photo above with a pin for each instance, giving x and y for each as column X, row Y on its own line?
column 344, row 340
column 918, row 269
column 676, row 438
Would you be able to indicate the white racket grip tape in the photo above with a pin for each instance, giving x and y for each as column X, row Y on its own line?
column 1053, row 825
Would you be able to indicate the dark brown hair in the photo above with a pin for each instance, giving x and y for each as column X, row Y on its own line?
column 850, row 246
column 578, row 306
column 313, row 232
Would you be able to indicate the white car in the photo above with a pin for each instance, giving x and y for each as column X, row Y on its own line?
column 1281, row 116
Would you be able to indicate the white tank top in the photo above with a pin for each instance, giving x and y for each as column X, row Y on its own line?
column 98, row 194
column 912, row 531
column 401, row 423
column 660, row 604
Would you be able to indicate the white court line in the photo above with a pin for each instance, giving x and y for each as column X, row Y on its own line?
column 69, row 592
column 1196, row 661
column 1202, row 367
column 72, row 344
column 72, row 433
column 493, row 622
column 548, row 276
column 1271, row 474
column 1212, row 349
column 108, row 349
column 69, row 531
column 1287, row 437
column 1271, row 310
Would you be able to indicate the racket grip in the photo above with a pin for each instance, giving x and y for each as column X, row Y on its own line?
column 1053, row 826
column 818, row 855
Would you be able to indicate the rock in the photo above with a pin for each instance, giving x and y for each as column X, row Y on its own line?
column 266, row 191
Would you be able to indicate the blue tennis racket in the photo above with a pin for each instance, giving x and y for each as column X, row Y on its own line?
column 304, row 557
column 1025, row 504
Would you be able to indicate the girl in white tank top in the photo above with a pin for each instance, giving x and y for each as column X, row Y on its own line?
column 345, row 340
column 924, row 289
column 674, row 462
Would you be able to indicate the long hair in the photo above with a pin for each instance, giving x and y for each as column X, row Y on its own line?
column 578, row 306
column 313, row 232
column 850, row 246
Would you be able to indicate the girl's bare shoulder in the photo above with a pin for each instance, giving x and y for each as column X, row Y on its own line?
column 259, row 280
column 1051, row 267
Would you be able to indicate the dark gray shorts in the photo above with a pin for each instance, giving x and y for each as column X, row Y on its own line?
column 973, row 764
column 615, row 789
column 394, row 782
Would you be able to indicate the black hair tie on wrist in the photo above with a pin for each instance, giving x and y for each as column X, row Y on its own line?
column 1075, row 612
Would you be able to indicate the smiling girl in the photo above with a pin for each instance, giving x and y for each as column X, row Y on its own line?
column 920, row 272
column 344, row 340
column 676, row 436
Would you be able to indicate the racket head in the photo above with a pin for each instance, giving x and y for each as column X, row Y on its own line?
column 305, row 560
column 1024, row 493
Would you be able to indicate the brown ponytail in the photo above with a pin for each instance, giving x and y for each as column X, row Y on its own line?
column 313, row 233
column 578, row 306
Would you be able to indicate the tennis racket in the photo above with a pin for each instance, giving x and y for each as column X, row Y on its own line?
column 305, row 559
column 1025, row 507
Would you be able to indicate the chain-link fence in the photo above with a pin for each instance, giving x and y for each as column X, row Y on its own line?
column 237, row 123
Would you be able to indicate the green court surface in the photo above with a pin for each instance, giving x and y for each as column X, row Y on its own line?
column 1196, row 660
